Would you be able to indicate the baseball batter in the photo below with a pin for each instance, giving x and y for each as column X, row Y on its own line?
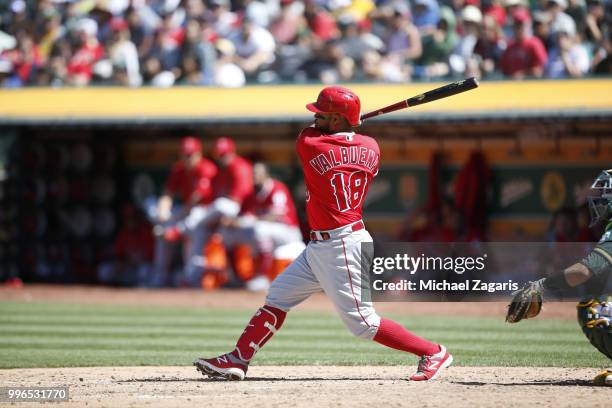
column 339, row 165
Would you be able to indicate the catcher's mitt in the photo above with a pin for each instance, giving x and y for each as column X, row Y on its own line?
column 526, row 302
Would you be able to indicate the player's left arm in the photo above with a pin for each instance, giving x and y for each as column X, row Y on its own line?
column 527, row 301
column 569, row 278
column 577, row 274
column 595, row 265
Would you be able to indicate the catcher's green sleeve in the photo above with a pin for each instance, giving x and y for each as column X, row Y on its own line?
column 599, row 262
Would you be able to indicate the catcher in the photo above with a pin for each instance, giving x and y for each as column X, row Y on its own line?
column 594, row 271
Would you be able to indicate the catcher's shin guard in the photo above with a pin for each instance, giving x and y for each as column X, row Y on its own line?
column 266, row 321
column 595, row 319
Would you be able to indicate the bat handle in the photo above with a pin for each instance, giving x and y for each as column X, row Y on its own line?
column 387, row 109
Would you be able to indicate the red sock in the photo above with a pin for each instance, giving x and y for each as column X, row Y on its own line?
column 393, row 335
column 262, row 326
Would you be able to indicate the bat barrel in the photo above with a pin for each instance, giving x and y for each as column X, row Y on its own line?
column 429, row 96
column 444, row 91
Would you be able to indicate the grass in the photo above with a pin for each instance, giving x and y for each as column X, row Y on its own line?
column 62, row 335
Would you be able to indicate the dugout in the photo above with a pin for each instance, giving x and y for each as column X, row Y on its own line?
column 71, row 158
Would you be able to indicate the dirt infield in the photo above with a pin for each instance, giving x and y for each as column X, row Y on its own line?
column 240, row 299
column 301, row 386
column 309, row 386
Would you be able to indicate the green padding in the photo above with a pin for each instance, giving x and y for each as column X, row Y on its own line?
column 600, row 335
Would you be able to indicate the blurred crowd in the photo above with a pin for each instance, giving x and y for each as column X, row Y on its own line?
column 233, row 42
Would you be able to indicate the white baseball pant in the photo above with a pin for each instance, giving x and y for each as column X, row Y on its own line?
column 264, row 236
column 196, row 226
column 332, row 266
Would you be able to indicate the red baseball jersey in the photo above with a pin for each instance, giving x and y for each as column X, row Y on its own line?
column 273, row 199
column 185, row 182
column 234, row 181
column 523, row 55
column 338, row 169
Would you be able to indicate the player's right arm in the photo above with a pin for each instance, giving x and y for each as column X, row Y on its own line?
column 165, row 202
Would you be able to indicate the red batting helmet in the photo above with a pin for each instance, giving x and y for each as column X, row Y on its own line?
column 336, row 99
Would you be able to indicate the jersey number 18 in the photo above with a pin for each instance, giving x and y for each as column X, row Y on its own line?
column 349, row 189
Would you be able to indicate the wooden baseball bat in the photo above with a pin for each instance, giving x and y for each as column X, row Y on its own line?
column 429, row 96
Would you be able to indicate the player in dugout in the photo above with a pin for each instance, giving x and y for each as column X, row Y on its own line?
column 190, row 181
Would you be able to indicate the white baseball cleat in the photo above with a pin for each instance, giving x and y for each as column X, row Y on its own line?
column 430, row 366
column 221, row 367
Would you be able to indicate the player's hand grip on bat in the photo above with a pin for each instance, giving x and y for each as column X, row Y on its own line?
column 526, row 302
